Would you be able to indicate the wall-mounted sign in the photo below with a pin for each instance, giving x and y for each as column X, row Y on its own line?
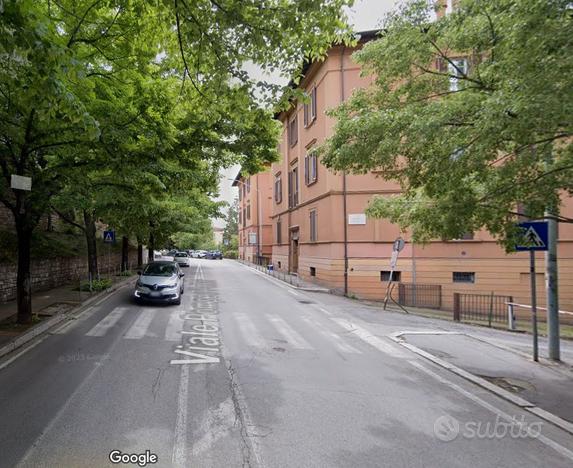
column 20, row 182
column 252, row 238
column 357, row 218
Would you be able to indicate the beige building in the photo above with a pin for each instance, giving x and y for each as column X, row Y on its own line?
column 255, row 228
column 320, row 232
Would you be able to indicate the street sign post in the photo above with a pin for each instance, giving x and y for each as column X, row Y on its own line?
column 109, row 237
column 396, row 249
column 534, row 238
column 20, row 182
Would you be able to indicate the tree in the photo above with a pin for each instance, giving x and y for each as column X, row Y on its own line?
column 231, row 222
column 470, row 113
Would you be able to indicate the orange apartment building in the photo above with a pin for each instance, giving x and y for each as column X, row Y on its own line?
column 320, row 232
column 255, row 226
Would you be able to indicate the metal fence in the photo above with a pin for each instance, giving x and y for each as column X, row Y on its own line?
column 481, row 307
column 278, row 274
column 420, row 295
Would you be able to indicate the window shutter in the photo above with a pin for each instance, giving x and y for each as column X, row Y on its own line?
column 313, row 103
column 305, row 107
column 306, row 170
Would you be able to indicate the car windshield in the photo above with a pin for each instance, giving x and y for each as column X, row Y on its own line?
column 159, row 269
column 181, row 254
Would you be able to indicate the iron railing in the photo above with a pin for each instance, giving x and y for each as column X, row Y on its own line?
column 481, row 308
column 420, row 295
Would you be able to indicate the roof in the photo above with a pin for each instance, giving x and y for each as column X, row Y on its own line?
column 237, row 179
column 361, row 36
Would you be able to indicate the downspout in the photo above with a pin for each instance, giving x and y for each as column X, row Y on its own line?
column 344, row 207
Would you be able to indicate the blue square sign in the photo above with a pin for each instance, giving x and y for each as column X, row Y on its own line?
column 534, row 236
column 109, row 237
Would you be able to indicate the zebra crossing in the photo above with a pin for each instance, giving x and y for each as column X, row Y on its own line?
column 298, row 333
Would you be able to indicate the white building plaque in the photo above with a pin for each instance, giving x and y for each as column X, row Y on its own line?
column 357, row 218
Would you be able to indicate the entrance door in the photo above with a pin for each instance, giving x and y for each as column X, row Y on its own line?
column 294, row 251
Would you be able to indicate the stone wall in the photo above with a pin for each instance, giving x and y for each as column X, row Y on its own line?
column 54, row 272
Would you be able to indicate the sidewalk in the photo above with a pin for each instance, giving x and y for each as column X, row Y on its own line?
column 293, row 280
column 45, row 304
column 538, row 387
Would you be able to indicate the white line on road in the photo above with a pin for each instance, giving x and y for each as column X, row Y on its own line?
column 179, row 457
column 174, row 326
column 107, row 322
column 287, row 331
column 550, row 443
column 333, row 338
column 369, row 338
column 140, row 326
column 249, row 331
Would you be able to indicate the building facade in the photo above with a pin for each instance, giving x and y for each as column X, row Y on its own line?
column 320, row 231
column 255, row 227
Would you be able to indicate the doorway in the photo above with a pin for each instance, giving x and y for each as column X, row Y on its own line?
column 294, row 251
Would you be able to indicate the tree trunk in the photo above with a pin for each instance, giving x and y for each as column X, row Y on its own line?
column 151, row 248
column 90, row 232
column 23, row 279
column 139, row 253
column 124, row 253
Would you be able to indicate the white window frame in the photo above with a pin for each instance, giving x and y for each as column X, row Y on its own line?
column 462, row 65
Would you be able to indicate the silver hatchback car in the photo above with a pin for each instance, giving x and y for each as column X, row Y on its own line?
column 160, row 282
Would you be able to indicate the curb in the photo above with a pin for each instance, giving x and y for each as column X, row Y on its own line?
column 51, row 322
column 298, row 288
column 524, row 404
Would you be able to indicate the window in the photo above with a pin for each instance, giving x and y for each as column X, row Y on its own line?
column 244, row 216
column 293, row 187
column 310, row 168
column 449, row 6
column 313, row 226
column 240, row 216
column 279, row 232
column 248, row 211
column 385, row 276
column 278, row 188
column 293, row 131
column 310, row 108
column 312, row 271
column 249, row 185
column 463, row 277
column 457, row 69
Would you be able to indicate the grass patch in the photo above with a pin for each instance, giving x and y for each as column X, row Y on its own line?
column 125, row 273
column 11, row 326
column 95, row 286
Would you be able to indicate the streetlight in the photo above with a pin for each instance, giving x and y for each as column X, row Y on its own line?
column 259, row 216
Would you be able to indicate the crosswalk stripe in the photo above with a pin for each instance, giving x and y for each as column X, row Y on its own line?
column 174, row 326
column 333, row 338
column 249, row 331
column 368, row 337
column 140, row 326
column 287, row 331
column 107, row 322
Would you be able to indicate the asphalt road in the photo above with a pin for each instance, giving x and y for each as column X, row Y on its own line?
column 248, row 372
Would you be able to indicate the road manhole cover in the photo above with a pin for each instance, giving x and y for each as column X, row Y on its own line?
column 280, row 350
column 305, row 302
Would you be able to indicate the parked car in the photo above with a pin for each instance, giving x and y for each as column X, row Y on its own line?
column 182, row 259
column 160, row 281
column 215, row 255
column 199, row 254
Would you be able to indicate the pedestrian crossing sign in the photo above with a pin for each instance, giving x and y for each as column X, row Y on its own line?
column 109, row 237
column 534, row 236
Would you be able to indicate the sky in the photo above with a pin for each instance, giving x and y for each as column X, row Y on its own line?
column 364, row 16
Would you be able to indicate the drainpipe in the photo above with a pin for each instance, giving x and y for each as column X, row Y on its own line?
column 344, row 207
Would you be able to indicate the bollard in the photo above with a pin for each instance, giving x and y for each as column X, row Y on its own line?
column 510, row 316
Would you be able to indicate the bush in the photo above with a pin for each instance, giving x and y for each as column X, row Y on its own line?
column 230, row 254
column 125, row 273
column 96, row 285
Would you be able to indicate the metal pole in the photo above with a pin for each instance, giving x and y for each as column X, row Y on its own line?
column 533, row 304
column 259, row 220
column 552, row 296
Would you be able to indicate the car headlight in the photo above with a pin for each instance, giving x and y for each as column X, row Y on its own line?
column 171, row 286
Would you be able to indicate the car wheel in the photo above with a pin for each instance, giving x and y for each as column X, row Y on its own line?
column 177, row 301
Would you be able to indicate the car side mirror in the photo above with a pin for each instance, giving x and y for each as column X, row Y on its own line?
column 181, row 275
column 139, row 272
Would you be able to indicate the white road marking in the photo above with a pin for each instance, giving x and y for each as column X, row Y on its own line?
column 333, row 338
column 216, row 424
column 140, row 326
column 249, row 331
column 293, row 292
column 287, row 331
column 24, row 351
column 179, row 456
column 74, row 320
column 369, row 338
column 174, row 326
column 107, row 322
column 545, row 440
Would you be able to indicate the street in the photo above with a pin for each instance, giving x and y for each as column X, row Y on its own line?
column 248, row 372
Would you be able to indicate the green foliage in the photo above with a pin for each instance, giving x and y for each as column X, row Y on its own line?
column 465, row 155
column 95, row 285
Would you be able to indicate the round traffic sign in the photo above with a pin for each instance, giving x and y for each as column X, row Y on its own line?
column 398, row 245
